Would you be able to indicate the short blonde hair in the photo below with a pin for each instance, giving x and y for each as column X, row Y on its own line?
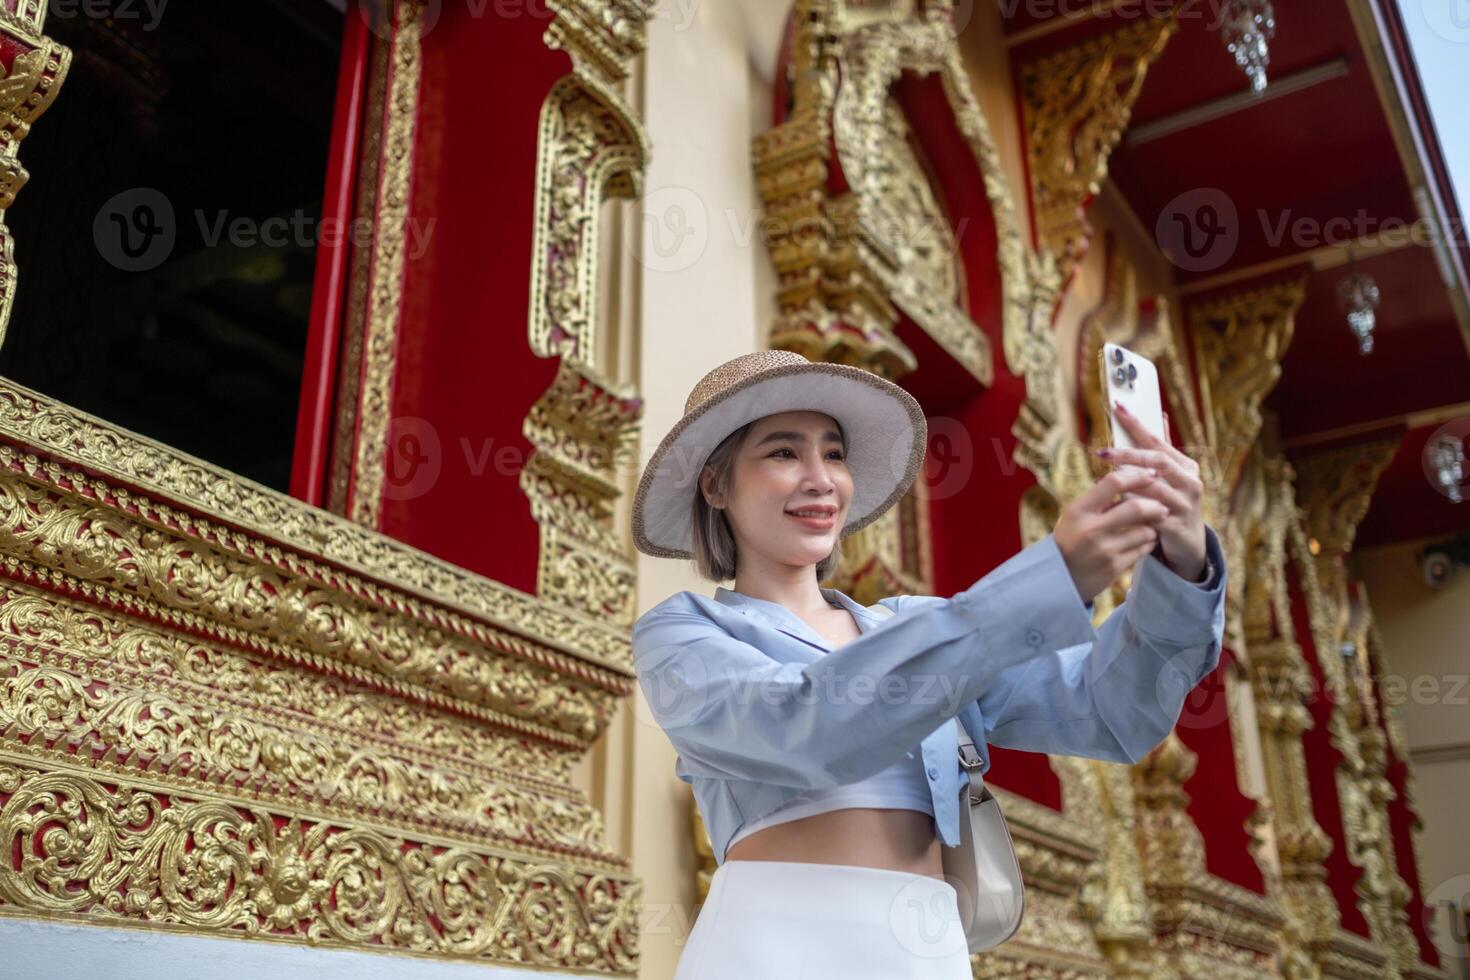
column 713, row 540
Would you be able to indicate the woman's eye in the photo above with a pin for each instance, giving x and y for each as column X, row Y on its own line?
column 835, row 454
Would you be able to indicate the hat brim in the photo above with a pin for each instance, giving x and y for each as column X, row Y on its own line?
column 884, row 425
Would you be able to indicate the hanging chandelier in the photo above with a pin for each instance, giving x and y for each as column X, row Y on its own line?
column 1246, row 27
column 1447, row 456
column 1358, row 296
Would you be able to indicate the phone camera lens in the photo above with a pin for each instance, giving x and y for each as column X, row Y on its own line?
column 1117, row 356
column 1132, row 372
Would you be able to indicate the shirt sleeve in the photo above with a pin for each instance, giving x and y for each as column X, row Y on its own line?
column 1118, row 696
column 734, row 713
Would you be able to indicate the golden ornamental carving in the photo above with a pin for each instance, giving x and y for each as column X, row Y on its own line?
column 1362, row 791
column 32, row 70
column 1075, row 105
column 113, row 847
column 222, row 588
column 1281, row 683
column 1239, row 340
column 1204, row 926
column 582, row 430
column 153, row 650
column 1336, row 487
column 355, row 322
column 62, row 446
column 223, row 711
column 847, row 262
column 589, row 148
column 383, row 289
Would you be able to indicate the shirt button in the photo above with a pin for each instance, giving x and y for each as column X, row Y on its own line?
column 1034, row 637
column 933, row 773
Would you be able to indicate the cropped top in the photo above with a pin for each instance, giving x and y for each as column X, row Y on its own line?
column 762, row 710
column 902, row 786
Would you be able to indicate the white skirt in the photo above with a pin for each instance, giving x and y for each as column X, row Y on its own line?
column 783, row 920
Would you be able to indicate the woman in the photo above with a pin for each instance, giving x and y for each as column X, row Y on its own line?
column 818, row 734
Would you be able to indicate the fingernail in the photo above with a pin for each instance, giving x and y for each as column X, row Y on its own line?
column 1152, row 471
column 1104, row 453
column 1119, row 407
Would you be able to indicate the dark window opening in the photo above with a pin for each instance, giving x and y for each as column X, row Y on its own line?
column 165, row 242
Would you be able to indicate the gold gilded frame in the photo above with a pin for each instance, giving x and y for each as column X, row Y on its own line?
column 224, row 711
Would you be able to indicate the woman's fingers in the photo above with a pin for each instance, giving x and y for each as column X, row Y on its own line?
column 1100, row 496
column 1167, row 494
column 1173, row 465
column 1130, row 513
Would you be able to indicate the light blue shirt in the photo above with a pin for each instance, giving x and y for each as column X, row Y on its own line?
column 760, row 708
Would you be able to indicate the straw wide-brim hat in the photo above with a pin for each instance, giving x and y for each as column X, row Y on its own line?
column 883, row 424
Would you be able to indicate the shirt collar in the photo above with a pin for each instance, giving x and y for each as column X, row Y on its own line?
column 787, row 621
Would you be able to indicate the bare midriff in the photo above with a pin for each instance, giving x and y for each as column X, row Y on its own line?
column 898, row 840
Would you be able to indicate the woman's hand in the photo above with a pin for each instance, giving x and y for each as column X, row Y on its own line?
column 1182, row 533
column 1100, row 538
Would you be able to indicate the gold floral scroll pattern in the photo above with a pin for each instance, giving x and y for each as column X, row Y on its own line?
column 32, row 69
column 581, row 430
column 144, row 647
column 355, row 323
column 1075, row 105
column 431, row 652
column 1205, row 926
column 1239, row 339
column 1281, row 684
column 121, row 848
column 71, row 451
column 385, row 287
column 590, row 148
column 99, row 684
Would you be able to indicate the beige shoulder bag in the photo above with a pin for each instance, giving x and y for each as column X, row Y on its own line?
column 983, row 868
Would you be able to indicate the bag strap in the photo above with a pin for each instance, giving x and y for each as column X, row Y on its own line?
column 970, row 759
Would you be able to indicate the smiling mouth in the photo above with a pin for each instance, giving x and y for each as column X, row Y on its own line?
column 820, row 519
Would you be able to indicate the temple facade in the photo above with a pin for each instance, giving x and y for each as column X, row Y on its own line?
column 317, row 568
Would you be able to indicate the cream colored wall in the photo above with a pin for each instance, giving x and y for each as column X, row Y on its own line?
column 690, row 281
column 1428, row 658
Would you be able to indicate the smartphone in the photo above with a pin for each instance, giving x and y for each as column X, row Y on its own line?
column 1133, row 380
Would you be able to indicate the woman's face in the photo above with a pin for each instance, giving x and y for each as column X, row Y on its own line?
column 790, row 462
